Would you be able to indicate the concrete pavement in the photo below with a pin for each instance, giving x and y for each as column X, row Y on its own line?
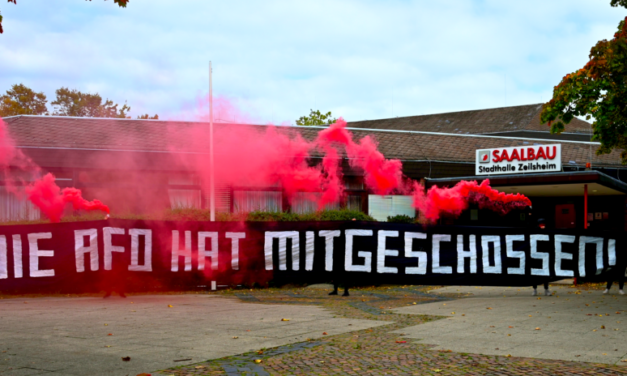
column 90, row 336
column 569, row 325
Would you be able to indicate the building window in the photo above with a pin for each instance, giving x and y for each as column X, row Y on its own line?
column 248, row 201
column 307, row 202
column 14, row 209
column 382, row 207
column 184, row 198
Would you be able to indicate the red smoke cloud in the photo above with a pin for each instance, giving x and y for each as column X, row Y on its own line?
column 382, row 176
column 44, row 192
column 453, row 201
column 254, row 158
column 250, row 157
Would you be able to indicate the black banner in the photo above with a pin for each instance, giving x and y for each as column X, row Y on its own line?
column 128, row 255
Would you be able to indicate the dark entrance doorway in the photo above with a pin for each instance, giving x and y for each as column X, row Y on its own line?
column 565, row 216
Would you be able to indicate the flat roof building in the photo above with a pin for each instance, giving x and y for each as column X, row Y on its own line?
column 144, row 165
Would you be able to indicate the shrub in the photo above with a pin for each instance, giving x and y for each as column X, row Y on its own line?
column 401, row 218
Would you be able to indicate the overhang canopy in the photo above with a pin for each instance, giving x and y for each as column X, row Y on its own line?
column 569, row 183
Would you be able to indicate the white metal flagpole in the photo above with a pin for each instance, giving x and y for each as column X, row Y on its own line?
column 212, row 193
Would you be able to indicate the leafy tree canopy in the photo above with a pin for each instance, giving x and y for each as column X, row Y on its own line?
column 74, row 103
column 21, row 100
column 599, row 91
column 318, row 118
column 121, row 3
column 148, row 117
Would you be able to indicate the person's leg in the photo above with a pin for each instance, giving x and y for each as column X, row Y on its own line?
column 535, row 290
column 621, row 283
column 335, row 286
column 546, row 289
column 345, row 290
column 608, row 286
column 107, row 294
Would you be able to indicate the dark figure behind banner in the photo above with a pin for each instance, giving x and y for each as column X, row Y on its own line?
column 335, row 287
column 617, row 274
column 541, row 226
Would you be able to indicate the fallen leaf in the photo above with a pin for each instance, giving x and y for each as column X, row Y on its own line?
column 463, row 314
column 509, row 335
column 199, row 367
column 538, row 329
column 510, row 326
column 604, row 353
column 143, row 374
column 126, row 358
column 489, row 308
column 509, row 355
column 106, row 324
column 324, row 333
column 401, row 341
column 452, row 313
column 602, row 326
column 624, row 360
column 594, row 330
column 235, row 337
column 107, row 345
column 414, row 302
column 170, row 306
column 258, row 360
column 110, row 334
column 285, row 319
column 529, row 315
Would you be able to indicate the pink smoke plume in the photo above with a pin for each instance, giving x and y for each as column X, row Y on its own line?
column 453, row 201
column 49, row 198
column 382, row 176
column 44, row 192
column 247, row 156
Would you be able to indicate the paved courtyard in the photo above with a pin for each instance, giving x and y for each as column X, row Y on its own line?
column 288, row 331
column 90, row 336
column 569, row 325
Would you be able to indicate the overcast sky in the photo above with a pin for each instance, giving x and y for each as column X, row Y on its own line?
column 278, row 59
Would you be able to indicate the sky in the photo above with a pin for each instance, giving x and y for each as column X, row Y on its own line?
column 275, row 60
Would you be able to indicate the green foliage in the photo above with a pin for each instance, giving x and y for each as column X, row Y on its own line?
column 597, row 90
column 21, row 100
column 401, row 218
column 325, row 215
column 75, row 103
column 148, row 117
column 316, row 118
column 204, row 215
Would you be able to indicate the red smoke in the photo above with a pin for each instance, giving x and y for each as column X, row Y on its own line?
column 49, row 198
column 382, row 176
column 249, row 157
column 43, row 193
column 454, row 200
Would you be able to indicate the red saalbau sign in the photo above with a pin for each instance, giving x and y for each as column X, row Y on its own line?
column 519, row 160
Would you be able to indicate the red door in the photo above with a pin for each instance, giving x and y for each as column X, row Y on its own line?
column 565, row 216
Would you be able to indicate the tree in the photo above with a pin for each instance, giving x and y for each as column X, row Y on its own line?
column 74, row 103
column 156, row 117
column 317, row 118
column 121, row 3
column 599, row 91
column 21, row 100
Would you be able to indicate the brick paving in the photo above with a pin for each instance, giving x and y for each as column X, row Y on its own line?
column 374, row 351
